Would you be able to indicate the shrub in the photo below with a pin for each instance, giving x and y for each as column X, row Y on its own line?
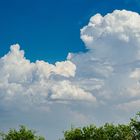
column 22, row 134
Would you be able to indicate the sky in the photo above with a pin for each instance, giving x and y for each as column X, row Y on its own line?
column 68, row 63
column 37, row 25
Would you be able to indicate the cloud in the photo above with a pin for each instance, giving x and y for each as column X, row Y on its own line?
column 107, row 35
column 103, row 82
column 130, row 106
column 23, row 82
column 65, row 90
column 107, row 72
column 113, row 58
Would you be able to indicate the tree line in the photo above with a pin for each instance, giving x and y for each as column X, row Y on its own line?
column 108, row 131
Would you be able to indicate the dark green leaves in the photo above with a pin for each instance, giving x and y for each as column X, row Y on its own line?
column 108, row 131
column 22, row 134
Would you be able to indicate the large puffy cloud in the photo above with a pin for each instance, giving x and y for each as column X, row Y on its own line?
column 108, row 71
column 110, row 68
column 102, row 84
column 23, row 82
column 107, row 35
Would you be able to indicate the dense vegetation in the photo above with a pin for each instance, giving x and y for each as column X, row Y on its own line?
column 108, row 131
column 130, row 131
column 22, row 134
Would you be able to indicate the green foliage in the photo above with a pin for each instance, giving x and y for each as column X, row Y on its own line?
column 108, row 131
column 22, row 134
column 135, row 126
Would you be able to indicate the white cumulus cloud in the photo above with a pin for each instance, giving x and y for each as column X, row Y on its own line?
column 36, row 83
column 103, row 82
column 113, row 57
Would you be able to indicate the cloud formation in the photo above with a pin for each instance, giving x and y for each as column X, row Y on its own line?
column 35, row 83
column 110, row 69
column 102, row 84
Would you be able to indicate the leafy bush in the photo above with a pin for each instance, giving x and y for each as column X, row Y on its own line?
column 108, row 131
column 22, row 134
column 135, row 126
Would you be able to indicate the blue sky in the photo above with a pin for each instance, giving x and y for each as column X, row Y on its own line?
column 81, row 63
column 49, row 29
